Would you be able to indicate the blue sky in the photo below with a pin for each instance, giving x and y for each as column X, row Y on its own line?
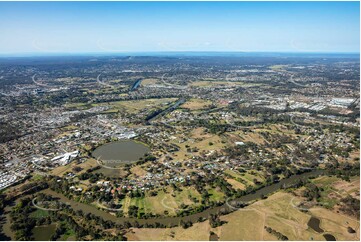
column 79, row 27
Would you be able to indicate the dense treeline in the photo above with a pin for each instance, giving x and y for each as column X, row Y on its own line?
column 351, row 206
column 279, row 235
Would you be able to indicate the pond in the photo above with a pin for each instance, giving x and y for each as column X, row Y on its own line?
column 329, row 237
column 44, row 232
column 314, row 223
column 115, row 154
column 213, row 237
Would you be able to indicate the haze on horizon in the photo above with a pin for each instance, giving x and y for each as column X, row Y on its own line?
column 116, row 27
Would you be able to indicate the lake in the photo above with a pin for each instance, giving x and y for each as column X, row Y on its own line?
column 44, row 232
column 114, row 154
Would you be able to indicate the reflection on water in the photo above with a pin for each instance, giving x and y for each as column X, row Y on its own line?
column 314, row 223
column 43, row 232
column 114, row 154
column 329, row 237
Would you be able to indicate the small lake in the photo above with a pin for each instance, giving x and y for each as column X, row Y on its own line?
column 115, row 154
column 329, row 237
column 314, row 223
column 44, row 232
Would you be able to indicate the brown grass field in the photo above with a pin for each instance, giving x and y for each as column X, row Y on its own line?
column 149, row 81
column 235, row 184
column 199, row 231
column 59, row 171
column 135, row 106
column 276, row 212
column 196, row 104
column 200, row 140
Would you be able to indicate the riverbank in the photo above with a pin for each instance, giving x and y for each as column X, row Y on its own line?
column 175, row 221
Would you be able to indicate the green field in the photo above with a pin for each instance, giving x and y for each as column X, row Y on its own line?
column 39, row 213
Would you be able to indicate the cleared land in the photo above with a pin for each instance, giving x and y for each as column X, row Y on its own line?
column 200, row 141
column 196, row 104
column 207, row 83
column 334, row 188
column 61, row 170
column 199, row 231
column 168, row 201
column 149, row 81
column 277, row 211
column 135, row 106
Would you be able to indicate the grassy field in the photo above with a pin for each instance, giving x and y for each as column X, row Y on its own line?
column 334, row 188
column 201, row 140
column 39, row 213
column 215, row 195
column 61, row 170
column 149, row 81
column 208, row 83
column 199, row 231
column 114, row 173
column 246, row 137
column 337, row 224
column 69, row 235
column 277, row 212
column 278, row 67
column 240, row 177
column 196, row 104
column 183, row 197
column 142, row 203
column 235, row 184
column 37, row 177
column 352, row 188
column 163, row 201
column 135, row 106
column 242, row 225
column 138, row 171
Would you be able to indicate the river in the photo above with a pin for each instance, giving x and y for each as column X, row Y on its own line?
column 175, row 221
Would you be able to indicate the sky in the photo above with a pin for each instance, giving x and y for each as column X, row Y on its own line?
column 114, row 27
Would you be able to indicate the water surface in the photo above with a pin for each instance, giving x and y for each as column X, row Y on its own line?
column 43, row 232
column 314, row 223
column 329, row 237
column 174, row 221
column 114, row 154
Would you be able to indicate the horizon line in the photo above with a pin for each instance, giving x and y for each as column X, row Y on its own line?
column 150, row 53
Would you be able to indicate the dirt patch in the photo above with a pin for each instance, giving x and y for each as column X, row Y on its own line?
column 235, row 184
column 199, row 232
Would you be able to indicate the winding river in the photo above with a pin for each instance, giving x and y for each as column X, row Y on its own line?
column 175, row 221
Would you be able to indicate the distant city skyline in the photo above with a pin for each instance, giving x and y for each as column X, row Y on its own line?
column 46, row 28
